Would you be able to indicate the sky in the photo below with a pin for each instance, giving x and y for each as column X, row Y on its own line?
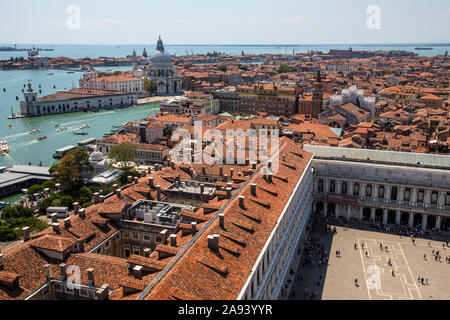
column 224, row 21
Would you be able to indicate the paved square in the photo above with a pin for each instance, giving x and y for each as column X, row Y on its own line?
column 377, row 279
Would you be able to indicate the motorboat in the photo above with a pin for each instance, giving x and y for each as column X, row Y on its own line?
column 4, row 147
column 34, row 131
column 42, row 138
column 57, row 125
column 86, row 126
column 61, row 129
column 83, row 133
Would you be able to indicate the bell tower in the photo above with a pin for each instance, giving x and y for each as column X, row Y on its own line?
column 317, row 99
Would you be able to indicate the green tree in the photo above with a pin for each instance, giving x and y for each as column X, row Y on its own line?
column 222, row 68
column 37, row 188
column 82, row 159
column 149, row 86
column 284, row 68
column 117, row 73
column 68, row 172
column 122, row 155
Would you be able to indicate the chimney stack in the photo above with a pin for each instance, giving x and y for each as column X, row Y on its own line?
column 270, row 177
column 136, row 180
column 62, row 271
column 203, row 170
column 26, row 234
column 213, row 242
column 76, row 208
column 115, row 187
column 82, row 213
column 96, row 198
column 48, row 272
column 103, row 292
column 221, row 171
column 228, row 193
column 54, row 217
column 137, row 270
column 119, row 193
column 253, row 189
column 202, row 188
column 129, row 179
column 158, row 190
column 231, row 172
column 90, row 273
column 173, row 240
column 222, row 220
column 151, row 182
column 242, row 202
column 254, row 165
column 56, row 227
column 283, row 157
column 194, row 227
column 147, row 252
column 102, row 199
column 67, row 223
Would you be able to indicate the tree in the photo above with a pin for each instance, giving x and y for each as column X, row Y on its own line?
column 117, row 73
column 222, row 68
column 82, row 159
column 149, row 86
column 122, row 155
column 284, row 68
column 68, row 172
column 37, row 188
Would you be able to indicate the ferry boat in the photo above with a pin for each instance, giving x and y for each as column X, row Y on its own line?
column 4, row 147
column 42, row 138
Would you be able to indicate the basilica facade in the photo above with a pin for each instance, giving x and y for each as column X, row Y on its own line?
column 159, row 69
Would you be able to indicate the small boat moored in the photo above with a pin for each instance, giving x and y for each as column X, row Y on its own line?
column 4, row 147
column 83, row 133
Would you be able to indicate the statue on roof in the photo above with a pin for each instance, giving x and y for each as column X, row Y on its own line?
column 160, row 45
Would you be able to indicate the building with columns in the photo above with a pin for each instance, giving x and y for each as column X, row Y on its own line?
column 387, row 187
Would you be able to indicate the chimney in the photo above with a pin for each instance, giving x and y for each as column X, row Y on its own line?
column 115, row 187
column 172, row 164
column 173, row 240
column 129, row 179
column 1, row 261
column 222, row 220
column 103, row 292
column 158, row 191
column 194, row 227
column 253, row 189
column 151, row 182
column 242, row 202
column 119, row 193
column 228, row 193
column 147, row 252
column 269, row 164
column 62, row 271
column 270, row 177
column 202, row 188
column 96, row 198
column 82, row 213
column 90, row 273
column 136, row 180
column 254, row 165
column 102, row 199
column 231, row 172
column 213, row 242
column 283, row 157
column 247, row 162
column 137, row 270
column 26, row 234
column 221, row 171
column 67, row 223
column 203, row 170
column 48, row 272
column 56, row 227
column 76, row 208
column 54, row 217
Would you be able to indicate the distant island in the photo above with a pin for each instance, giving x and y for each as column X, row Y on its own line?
column 22, row 49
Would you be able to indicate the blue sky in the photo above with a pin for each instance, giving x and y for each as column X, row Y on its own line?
column 223, row 22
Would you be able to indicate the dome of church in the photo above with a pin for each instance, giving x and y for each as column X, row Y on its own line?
column 96, row 156
column 160, row 57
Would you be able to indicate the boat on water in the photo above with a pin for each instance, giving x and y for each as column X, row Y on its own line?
column 422, row 48
column 83, row 133
column 34, row 131
column 50, row 74
column 61, row 129
column 42, row 138
column 4, row 147
column 86, row 126
column 57, row 125
column 71, row 72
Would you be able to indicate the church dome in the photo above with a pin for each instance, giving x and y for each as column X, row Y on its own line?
column 96, row 156
column 160, row 57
